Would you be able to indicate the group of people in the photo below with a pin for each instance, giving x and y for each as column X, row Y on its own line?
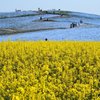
column 75, row 24
column 44, row 19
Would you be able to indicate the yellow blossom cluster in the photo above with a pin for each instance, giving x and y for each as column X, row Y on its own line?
column 49, row 70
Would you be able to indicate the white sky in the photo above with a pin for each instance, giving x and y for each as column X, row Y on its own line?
column 88, row 6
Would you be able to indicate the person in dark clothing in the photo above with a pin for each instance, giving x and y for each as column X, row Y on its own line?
column 40, row 18
column 81, row 21
column 72, row 25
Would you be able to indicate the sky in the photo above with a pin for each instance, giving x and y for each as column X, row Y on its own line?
column 87, row 6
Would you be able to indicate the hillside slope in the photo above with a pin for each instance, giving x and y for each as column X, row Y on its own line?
column 56, row 23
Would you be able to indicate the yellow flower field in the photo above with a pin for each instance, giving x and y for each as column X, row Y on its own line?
column 49, row 70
